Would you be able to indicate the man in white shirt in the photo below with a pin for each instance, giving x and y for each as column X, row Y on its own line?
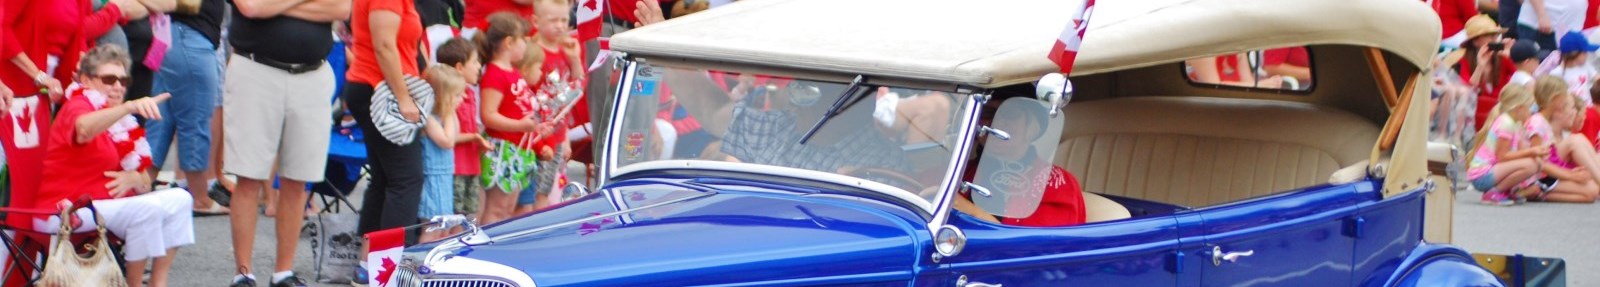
column 1539, row 21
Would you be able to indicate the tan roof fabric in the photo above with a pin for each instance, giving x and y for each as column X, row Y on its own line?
column 1002, row 42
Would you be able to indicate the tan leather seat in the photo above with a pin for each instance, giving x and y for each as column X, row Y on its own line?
column 1198, row 151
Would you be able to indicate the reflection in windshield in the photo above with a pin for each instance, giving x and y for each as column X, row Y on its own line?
column 899, row 137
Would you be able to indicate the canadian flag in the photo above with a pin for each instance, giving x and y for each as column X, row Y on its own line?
column 1065, row 51
column 384, row 257
column 589, row 13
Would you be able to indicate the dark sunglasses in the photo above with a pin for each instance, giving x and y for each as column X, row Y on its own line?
column 114, row 79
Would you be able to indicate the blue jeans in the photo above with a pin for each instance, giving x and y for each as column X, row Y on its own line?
column 194, row 77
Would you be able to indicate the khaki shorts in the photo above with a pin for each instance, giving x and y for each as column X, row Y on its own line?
column 275, row 115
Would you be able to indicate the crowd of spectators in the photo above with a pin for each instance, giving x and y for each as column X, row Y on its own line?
column 103, row 90
column 1526, row 66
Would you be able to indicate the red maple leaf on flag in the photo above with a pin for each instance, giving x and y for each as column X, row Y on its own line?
column 385, row 272
column 589, row 4
column 26, row 120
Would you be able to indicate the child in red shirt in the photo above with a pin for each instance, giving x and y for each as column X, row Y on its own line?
column 556, row 81
column 508, row 161
column 462, row 55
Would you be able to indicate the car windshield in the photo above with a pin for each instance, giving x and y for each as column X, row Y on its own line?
column 899, row 137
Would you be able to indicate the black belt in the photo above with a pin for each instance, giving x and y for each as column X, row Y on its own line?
column 292, row 68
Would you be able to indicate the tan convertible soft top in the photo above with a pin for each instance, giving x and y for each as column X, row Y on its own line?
column 1002, row 42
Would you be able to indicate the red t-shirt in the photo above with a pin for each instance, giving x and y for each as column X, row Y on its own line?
column 76, row 170
column 554, row 61
column 478, row 12
column 71, row 27
column 1487, row 96
column 1061, row 205
column 1293, row 56
column 364, row 67
column 1591, row 21
column 467, row 159
column 516, row 100
column 1228, row 69
column 1591, row 124
column 1453, row 14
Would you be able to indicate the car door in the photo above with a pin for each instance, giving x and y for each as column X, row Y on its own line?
column 1296, row 238
column 1131, row 252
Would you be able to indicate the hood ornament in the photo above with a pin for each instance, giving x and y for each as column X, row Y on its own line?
column 472, row 236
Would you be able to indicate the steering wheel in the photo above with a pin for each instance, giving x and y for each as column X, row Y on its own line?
column 871, row 173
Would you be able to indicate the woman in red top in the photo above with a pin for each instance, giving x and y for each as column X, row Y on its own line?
column 1485, row 69
column 38, row 52
column 506, row 103
column 388, row 34
column 93, row 156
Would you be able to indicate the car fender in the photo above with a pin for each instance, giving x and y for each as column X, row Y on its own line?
column 1435, row 265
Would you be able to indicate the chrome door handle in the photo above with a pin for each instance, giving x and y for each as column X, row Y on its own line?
column 962, row 282
column 1217, row 256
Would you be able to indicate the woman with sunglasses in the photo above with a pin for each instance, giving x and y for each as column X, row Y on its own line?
column 96, row 155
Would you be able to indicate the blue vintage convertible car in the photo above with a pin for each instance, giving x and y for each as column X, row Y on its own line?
column 875, row 143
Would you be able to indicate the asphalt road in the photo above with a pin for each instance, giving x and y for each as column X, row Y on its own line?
column 1569, row 231
column 210, row 261
column 1563, row 230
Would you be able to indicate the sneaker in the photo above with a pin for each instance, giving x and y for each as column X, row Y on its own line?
column 242, row 281
column 360, row 279
column 291, row 281
column 1496, row 198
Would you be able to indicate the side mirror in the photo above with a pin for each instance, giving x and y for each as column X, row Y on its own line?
column 949, row 241
column 1055, row 91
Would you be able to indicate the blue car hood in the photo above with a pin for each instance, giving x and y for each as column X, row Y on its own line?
column 717, row 237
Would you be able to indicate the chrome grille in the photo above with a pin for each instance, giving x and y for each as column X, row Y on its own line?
column 465, row 282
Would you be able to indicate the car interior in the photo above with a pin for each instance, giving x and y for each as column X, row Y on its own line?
column 1148, row 141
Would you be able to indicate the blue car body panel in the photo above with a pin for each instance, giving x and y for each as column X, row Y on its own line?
column 770, row 231
column 731, row 237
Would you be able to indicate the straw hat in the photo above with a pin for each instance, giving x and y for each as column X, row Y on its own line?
column 1482, row 25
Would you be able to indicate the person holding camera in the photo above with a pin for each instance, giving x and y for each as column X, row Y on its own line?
column 1483, row 63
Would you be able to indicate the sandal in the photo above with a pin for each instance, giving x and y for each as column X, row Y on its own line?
column 213, row 210
column 220, row 194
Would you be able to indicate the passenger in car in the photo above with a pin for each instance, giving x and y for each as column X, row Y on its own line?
column 764, row 125
column 1502, row 160
column 1061, row 202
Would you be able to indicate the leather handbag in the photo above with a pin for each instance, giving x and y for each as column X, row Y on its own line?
column 66, row 267
column 188, row 7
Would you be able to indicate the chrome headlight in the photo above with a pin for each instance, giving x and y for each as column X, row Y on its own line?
column 406, row 275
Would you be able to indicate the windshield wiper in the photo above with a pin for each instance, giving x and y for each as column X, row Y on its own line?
column 847, row 99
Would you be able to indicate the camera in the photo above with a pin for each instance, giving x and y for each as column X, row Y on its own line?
column 1497, row 46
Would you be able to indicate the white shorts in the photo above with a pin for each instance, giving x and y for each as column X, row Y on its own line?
column 148, row 224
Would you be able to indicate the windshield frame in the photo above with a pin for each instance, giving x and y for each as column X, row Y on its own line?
column 968, row 112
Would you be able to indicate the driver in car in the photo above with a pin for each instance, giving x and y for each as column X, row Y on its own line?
column 766, row 117
column 1016, row 164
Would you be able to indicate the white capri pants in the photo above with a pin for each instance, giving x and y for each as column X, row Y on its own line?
column 148, row 224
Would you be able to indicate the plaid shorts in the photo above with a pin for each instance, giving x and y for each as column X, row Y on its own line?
column 468, row 190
